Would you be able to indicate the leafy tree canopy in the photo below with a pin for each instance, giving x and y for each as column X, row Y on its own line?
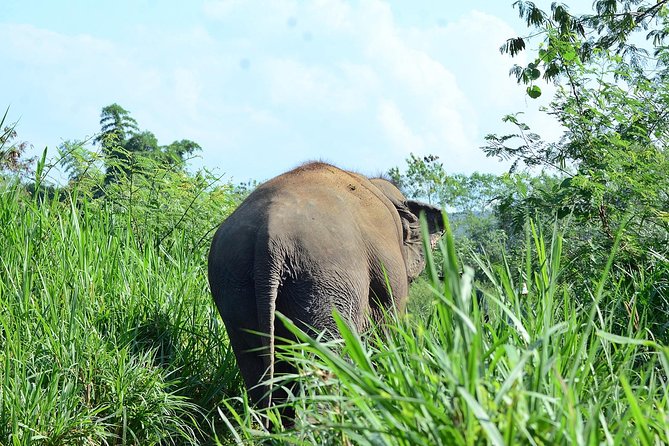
column 569, row 40
column 612, row 158
column 124, row 147
column 116, row 126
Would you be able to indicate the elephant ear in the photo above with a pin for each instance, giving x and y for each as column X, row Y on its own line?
column 409, row 212
column 432, row 215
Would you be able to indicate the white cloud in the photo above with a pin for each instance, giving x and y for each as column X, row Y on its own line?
column 187, row 89
column 418, row 103
column 334, row 15
column 332, row 88
column 260, row 83
column 396, row 129
column 260, row 15
column 437, row 116
column 219, row 9
column 39, row 47
column 73, row 76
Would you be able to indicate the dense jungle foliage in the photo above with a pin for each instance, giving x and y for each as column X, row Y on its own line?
column 542, row 317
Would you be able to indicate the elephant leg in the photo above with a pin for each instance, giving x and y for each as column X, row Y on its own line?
column 248, row 348
column 251, row 352
column 284, row 389
column 295, row 301
column 304, row 303
column 239, row 313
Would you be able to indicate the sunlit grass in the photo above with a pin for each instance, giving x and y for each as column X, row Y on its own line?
column 103, row 340
column 106, row 339
column 536, row 368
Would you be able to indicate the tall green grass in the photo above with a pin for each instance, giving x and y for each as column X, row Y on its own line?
column 103, row 339
column 540, row 369
column 107, row 338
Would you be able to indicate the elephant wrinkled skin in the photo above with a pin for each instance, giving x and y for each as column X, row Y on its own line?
column 312, row 240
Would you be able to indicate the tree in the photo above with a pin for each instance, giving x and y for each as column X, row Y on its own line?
column 426, row 178
column 569, row 40
column 83, row 166
column 117, row 126
column 613, row 157
column 12, row 152
column 125, row 146
column 613, row 153
column 176, row 153
column 143, row 142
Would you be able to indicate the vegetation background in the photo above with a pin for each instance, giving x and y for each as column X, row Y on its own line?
column 541, row 319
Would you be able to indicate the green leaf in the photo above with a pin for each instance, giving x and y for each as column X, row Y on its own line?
column 494, row 436
column 625, row 340
column 569, row 55
column 645, row 435
column 534, row 91
column 534, row 74
column 354, row 345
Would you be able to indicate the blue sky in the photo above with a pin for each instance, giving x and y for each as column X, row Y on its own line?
column 265, row 85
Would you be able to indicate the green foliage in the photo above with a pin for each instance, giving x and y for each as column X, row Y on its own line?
column 533, row 369
column 177, row 152
column 163, row 201
column 612, row 158
column 107, row 329
column 478, row 204
column 424, row 178
column 83, row 166
column 111, row 338
column 570, row 41
column 12, row 152
column 123, row 146
column 108, row 334
column 420, row 299
column 116, row 124
column 142, row 142
column 104, row 339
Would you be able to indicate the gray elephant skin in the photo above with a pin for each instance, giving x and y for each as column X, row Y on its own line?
column 312, row 240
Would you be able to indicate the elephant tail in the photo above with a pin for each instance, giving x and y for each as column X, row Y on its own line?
column 267, row 280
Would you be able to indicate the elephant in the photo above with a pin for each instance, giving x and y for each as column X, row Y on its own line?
column 311, row 240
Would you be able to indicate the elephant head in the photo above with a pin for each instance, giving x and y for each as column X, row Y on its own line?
column 409, row 212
